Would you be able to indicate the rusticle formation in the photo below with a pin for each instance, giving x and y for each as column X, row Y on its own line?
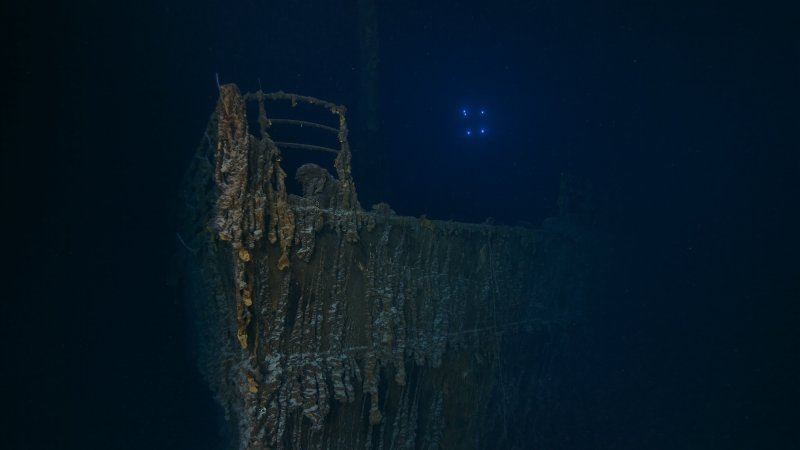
column 325, row 326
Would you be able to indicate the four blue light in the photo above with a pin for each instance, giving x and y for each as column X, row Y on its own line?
column 475, row 123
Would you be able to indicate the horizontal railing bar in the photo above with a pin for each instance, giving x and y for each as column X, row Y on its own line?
column 306, row 147
column 294, row 98
column 304, row 123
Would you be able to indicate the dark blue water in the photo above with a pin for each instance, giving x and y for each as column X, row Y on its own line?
column 677, row 121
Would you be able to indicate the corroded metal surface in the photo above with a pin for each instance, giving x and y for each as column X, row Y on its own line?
column 322, row 325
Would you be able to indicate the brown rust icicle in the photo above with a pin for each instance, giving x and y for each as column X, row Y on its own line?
column 231, row 155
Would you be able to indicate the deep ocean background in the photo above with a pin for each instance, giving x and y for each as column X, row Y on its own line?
column 679, row 119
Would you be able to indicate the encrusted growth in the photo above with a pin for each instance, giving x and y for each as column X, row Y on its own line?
column 350, row 329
